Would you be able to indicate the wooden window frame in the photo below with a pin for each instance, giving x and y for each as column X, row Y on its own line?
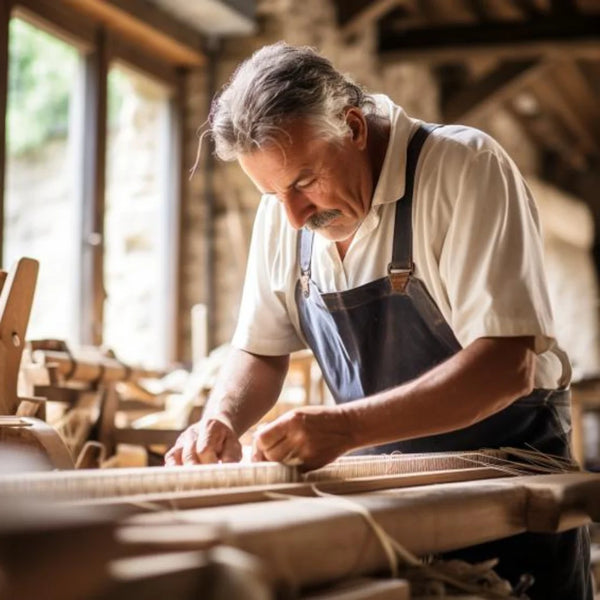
column 101, row 45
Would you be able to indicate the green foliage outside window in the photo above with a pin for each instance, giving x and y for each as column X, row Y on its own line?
column 41, row 73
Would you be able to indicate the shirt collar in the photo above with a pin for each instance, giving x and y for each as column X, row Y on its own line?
column 391, row 183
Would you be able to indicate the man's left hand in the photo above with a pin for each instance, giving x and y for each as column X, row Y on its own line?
column 308, row 437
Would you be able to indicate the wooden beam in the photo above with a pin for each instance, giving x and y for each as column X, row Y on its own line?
column 549, row 134
column 528, row 8
column 553, row 99
column 4, row 22
column 477, row 99
column 176, row 187
column 577, row 35
column 94, row 173
column 139, row 60
column 59, row 20
column 147, row 25
column 574, row 85
column 368, row 14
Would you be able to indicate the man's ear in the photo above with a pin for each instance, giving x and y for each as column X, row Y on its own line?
column 358, row 126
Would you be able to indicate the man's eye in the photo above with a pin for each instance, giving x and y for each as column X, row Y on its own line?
column 305, row 183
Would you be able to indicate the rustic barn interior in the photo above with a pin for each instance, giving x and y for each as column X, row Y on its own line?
column 125, row 242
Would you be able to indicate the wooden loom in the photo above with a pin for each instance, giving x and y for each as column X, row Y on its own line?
column 289, row 538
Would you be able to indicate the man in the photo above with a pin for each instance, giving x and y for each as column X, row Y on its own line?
column 408, row 258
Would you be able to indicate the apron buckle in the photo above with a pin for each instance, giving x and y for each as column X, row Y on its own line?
column 304, row 280
column 399, row 277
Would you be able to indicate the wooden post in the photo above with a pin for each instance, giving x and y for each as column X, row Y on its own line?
column 92, row 280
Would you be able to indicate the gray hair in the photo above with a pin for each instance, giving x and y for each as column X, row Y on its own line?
column 277, row 84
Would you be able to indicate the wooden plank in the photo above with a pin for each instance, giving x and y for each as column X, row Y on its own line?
column 438, row 518
column 16, row 299
column 577, row 36
column 92, row 369
column 148, row 26
column 293, row 532
column 146, row 437
column 478, row 98
column 365, row 589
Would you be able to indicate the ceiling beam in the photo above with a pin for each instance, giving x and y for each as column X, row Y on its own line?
column 355, row 16
column 578, row 35
column 549, row 134
column 576, row 88
column 476, row 99
column 141, row 22
column 552, row 98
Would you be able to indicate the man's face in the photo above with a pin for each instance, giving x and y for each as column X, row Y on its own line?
column 324, row 185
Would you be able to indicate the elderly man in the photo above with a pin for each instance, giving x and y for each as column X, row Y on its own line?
column 408, row 258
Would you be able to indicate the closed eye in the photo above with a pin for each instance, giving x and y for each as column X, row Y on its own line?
column 304, row 183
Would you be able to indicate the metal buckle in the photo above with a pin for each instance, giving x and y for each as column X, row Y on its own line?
column 304, row 282
column 399, row 277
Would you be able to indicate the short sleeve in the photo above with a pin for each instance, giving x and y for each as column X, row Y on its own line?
column 492, row 258
column 264, row 325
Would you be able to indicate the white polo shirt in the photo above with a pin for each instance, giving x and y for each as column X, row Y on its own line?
column 476, row 247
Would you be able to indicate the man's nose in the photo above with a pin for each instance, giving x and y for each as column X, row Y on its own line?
column 298, row 209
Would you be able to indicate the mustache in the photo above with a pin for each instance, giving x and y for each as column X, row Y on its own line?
column 322, row 219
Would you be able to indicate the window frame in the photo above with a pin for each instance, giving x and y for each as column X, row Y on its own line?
column 102, row 45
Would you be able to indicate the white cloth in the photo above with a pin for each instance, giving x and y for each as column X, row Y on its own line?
column 476, row 247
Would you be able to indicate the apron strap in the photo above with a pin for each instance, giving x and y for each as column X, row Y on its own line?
column 402, row 264
column 305, row 243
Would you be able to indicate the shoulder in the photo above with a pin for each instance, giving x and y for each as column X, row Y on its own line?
column 461, row 143
column 455, row 153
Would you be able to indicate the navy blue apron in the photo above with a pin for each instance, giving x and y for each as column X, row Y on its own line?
column 390, row 331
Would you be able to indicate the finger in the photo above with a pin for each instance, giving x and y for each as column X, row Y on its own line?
column 173, row 457
column 270, row 435
column 188, row 452
column 209, row 447
column 257, row 454
column 278, row 452
column 232, row 450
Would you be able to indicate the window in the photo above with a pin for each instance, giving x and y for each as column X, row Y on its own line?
column 136, row 217
column 41, row 196
column 92, row 165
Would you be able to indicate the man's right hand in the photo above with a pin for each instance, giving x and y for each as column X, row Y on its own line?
column 208, row 441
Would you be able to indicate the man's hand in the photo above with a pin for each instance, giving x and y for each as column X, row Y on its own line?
column 208, row 441
column 309, row 437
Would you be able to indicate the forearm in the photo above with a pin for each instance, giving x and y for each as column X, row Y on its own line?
column 248, row 385
column 478, row 381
